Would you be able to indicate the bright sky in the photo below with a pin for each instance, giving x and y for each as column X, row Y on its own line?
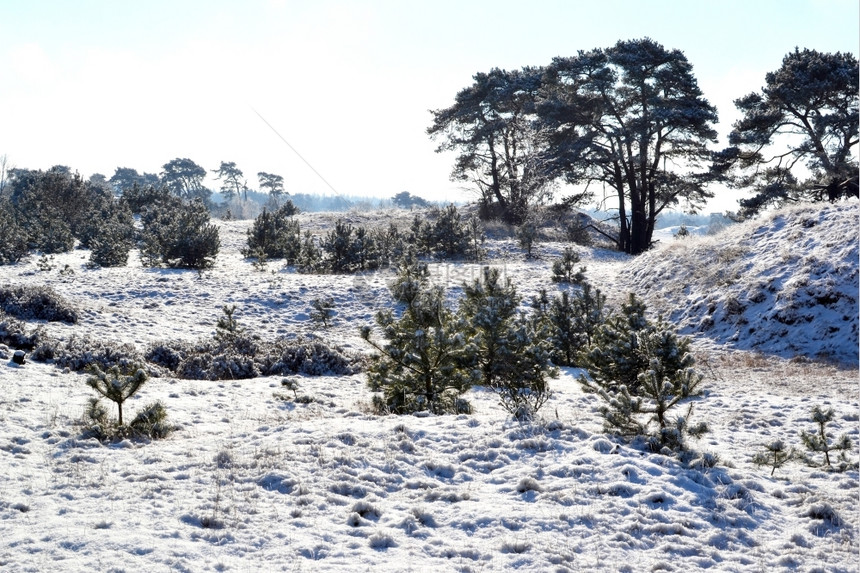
column 100, row 84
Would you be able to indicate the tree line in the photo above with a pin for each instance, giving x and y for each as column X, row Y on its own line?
column 631, row 121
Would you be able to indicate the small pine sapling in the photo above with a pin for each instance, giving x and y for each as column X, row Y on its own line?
column 821, row 441
column 423, row 364
column 527, row 237
column 227, row 328
column 476, row 239
column 564, row 269
column 322, row 311
column 775, row 455
column 115, row 385
column 642, row 371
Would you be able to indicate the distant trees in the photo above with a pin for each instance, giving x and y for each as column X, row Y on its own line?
column 272, row 183
column 493, row 127
column 633, row 119
column 406, row 200
column 125, row 178
column 795, row 139
column 185, row 179
column 232, row 180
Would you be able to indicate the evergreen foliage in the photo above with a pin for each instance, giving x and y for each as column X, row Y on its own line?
column 820, row 441
column 572, row 319
column 448, row 236
column 564, row 269
column 413, row 278
column 275, row 235
column 179, row 235
column 775, row 455
column 322, row 310
column 116, row 385
column 527, row 237
column 421, row 365
column 13, row 238
column 512, row 354
column 341, row 248
column 642, row 370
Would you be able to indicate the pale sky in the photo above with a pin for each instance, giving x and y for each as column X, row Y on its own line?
column 100, row 84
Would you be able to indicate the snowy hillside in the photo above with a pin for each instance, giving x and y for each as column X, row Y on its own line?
column 256, row 480
column 786, row 284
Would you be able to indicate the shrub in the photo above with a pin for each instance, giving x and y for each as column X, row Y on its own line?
column 775, row 455
column 511, row 353
column 275, row 234
column 527, row 237
column 448, row 236
column 13, row 238
column 576, row 232
column 421, row 366
column 413, row 278
column 564, row 269
column 322, row 310
column 36, row 303
column 179, row 235
column 112, row 238
column 14, row 333
column 642, row 371
column 77, row 353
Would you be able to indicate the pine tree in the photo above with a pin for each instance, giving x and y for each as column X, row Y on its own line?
column 564, row 271
column 642, row 370
column 413, row 278
column 821, row 441
column 275, row 235
column 421, row 365
column 513, row 356
column 527, row 237
column 448, row 236
column 116, row 385
column 341, row 248
column 323, row 310
column 774, row 455
column 310, row 256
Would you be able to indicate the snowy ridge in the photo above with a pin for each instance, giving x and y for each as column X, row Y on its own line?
column 786, row 284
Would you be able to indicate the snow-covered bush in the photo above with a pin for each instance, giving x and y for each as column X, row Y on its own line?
column 36, row 303
column 447, row 237
column 14, row 333
column 275, row 234
column 179, row 235
column 322, row 310
column 642, row 371
column 527, row 235
column 13, row 237
column 511, row 352
column 421, row 366
column 79, row 352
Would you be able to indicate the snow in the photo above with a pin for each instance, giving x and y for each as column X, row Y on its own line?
column 252, row 480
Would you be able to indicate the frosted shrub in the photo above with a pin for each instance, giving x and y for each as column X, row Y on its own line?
column 643, row 371
column 79, row 352
column 421, row 364
column 36, row 303
column 527, row 237
column 13, row 238
column 275, row 235
column 572, row 319
column 322, row 311
column 448, row 236
column 14, row 333
column 511, row 353
column 179, row 235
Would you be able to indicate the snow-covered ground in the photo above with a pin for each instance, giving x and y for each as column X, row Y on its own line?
column 253, row 481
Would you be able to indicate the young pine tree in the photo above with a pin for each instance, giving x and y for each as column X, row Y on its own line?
column 642, row 371
column 115, row 385
column 512, row 355
column 564, row 269
column 423, row 363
